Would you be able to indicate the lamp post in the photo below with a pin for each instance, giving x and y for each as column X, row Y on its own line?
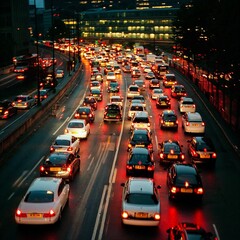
column 69, row 56
column 53, row 50
column 37, row 49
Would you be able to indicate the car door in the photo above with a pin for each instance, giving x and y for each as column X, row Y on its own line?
column 63, row 192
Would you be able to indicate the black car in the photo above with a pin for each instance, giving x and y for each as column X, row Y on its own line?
column 140, row 138
column 170, row 151
column 178, row 91
column 168, row 120
column 113, row 112
column 154, row 83
column 62, row 164
column 202, row 150
column 189, row 231
column 113, row 87
column 183, row 180
column 163, row 102
column 6, row 109
column 90, row 101
column 85, row 112
column 140, row 163
column 97, row 94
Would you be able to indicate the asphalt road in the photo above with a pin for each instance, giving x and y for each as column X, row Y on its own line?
column 95, row 198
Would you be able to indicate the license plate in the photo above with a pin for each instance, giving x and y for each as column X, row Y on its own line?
column 141, row 215
column 172, row 156
column 139, row 167
column 55, row 169
column 204, row 155
column 84, row 116
column 0, row 110
column 195, row 125
column 169, row 123
column 138, row 145
column 35, row 215
column 186, row 190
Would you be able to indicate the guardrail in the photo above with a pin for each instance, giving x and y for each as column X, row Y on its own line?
column 36, row 115
column 6, row 70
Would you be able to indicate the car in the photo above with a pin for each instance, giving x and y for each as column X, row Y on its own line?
column 95, row 85
column 193, row 123
column 6, row 109
column 113, row 112
column 178, row 91
column 117, row 69
column 133, row 90
column 140, row 138
column 147, row 69
column 163, row 102
column 111, row 76
column 107, row 69
column 184, row 180
column 141, row 120
column 186, row 104
column 99, row 77
column 97, row 94
column 140, row 202
column 140, row 83
column 188, row 231
column 79, row 128
column 90, row 101
column 43, row 94
column 23, row 102
column 85, row 112
column 135, row 107
column 169, row 80
column 113, row 87
column 168, row 120
column 149, row 76
column 60, row 73
column 126, row 68
column 43, row 202
column 139, row 97
column 140, row 163
column 135, row 73
column 66, row 143
column 202, row 150
column 154, row 83
column 156, row 92
column 170, row 151
column 116, row 99
column 60, row 164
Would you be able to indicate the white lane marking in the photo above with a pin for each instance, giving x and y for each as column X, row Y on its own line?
column 61, row 125
column 20, row 178
column 11, row 196
column 91, row 162
column 216, row 232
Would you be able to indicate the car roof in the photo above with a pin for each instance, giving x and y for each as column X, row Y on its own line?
column 141, row 185
column 45, row 183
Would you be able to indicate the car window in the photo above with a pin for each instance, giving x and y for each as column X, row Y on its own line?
column 63, row 142
column 191, row 179
column 139, row 158
column 168, row 148
column 139, row 198
column 140, row 137
column 75, row 125
column 39, row 197
column 137, row 108
column 140, row 120
column 56, row 160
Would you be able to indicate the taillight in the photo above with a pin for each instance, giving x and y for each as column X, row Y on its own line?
column 19, row 213
column 149, row 124
column 130, row 145
column 66, row 131
column 214, row 155
column 52, row 149
column 198, row 191
column 69, row 169
column 182, row 156
column 124, row 215
column 194, row 153
column 51, row 213
column 150, row 168
column 76, row 115
column 157, row 216
column 161, row 155
column 129, row 167
column 6, row 113
column 194, row 105
column 69, row 149
column 90, row 115
column 173, row 190
column 203, row 124
column 42, row 168
column 187, row 123
column 176, row 121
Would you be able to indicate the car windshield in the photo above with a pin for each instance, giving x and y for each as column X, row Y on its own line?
column 39, row 196
column 140, row 120
column 84, row 110
column 141, row 198
column 134, row 89
column 136, row 108
column 140, row 137
column 62, row 142
column 75, row 125
column 113, row 84
column 169, row 118
column 139, row 159
column 21, row 99
column 204, row 147
column 113, row 111
column 195, row 236
column 172, row 147
column 191, row 179
column 90, row 100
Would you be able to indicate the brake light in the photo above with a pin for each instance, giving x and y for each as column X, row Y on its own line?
column 66, row 131
column 174, row 190
column 203, row 124
column 182, row 156
column 161, row 155
column 69, row 169
column 194, row 105
column 19, row 213
column 124, row 215
column 76, row 115
column 214, row 155
column 150, row 168
column 198, row 191
column 171, row 151
column 42, row 168
column 149, row 124
column 129, row 167
column 51, row 213
column 150, row 146
column 52, row 149
column 176, row 121
column 130, row 145
column 187, row 123
column 69, row 149
column 186, row 184
column 194, row 153
column 90, row 115
column 157, row 216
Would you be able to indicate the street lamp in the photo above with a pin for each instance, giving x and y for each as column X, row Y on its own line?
column 53, row 50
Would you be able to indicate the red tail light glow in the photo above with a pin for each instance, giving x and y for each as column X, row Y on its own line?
column 42, row 168
column 157, row 216
column 198, row 191
column 69, row 149
column 124, row 215
column 51, row 213
column 52, row 149
column 214, row 155
column 19, row 213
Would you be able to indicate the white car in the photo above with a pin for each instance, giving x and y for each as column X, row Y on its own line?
column 23, row 102
column 141, row 120
column 66, row 143
column 186, row 104
column 111, row 76
column 95, row 85
column 135, row 107
column 133, row 90
column 193, row 123
column 79, row 128
column 141, row 98
column 140, row 202
column 59, row 73
column 157, row 92
column 117, row 100
column 43, row 202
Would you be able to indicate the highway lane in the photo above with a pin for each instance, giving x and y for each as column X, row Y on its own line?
column 98, row 184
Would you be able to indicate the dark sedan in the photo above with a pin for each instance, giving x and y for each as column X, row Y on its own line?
column 183, row 180
column 163, row 102
column 97, row 94
column 170, row 151
column 85, row 113
column 61, row 164
column 90, row 101
column 168, row 120
column 6, row 109
column 178, row 91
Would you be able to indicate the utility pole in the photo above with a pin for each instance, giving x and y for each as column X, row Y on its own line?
column 53, row 50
